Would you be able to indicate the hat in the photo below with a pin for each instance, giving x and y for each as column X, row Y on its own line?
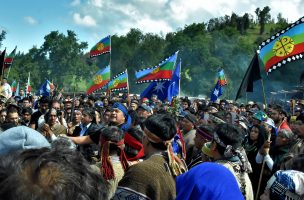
column 287, row 184
column 190, row 117
column 206, row 149
column 260, row 115
column 99, row 104
column 146, row 108
column 19, row 138
column 270, row 122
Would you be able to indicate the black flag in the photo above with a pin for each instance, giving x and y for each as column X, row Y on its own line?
column 252, row 74
column 2, row 56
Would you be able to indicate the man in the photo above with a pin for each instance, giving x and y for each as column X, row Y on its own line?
column 6, row 89
column 26, row 103
column 153, row 178
column 188, row 130
column 226, row 149
column 26, row 116
column 134, row 105
column 12, row 116
column 144, row 111
column 43, row 106
column 87, row 127
column 279, row 118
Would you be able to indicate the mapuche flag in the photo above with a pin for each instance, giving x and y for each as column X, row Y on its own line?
column 118, row 82
column 285, row 46
column 103, row 46
column 101, row 78
column 28, row 88
column 13, row 86
column 221, row 77
column 9, row 59
column 161, row 72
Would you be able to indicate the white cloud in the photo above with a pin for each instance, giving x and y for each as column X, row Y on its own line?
column 97, row 3
column 30, row 20
column 75, row 3
column 87, row 20
column 118, row 16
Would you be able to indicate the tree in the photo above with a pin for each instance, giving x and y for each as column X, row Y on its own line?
column 263, row 17
column 2, row 37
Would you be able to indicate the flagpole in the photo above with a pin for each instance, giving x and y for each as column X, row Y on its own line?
column 264, row 93
column 128, row 89
column 110, row 63
column 2, row 70
column 180, row 77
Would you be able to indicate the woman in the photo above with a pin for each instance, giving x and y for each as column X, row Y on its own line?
column 253, row 143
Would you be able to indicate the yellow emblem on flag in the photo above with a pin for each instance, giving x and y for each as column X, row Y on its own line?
column 100, row 46
column 155, row 70
column 283, row 46
column 116, row 82
column 97, row 79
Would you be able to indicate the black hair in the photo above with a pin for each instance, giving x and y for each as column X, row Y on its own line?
column 261, row 137
column 138, row 134
column 27, row 110
column 161, row 125
column 113, row 134
column 91, row 112
column 49, row 173
column 44, row 100
column 229, row 134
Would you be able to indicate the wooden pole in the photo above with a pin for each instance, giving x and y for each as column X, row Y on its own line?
column 180, row 77
column 262, row 171
column 128, row 89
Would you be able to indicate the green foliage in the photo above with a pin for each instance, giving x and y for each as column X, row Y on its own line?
column 2, row 37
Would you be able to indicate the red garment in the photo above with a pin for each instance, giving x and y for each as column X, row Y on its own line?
column 284, row 125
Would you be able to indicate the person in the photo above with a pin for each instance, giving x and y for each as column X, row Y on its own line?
column 207, row 181
column 75, row 122
column 154, row 178
column 43, row 106
column 49, row 173
column 253, row 142
column 26, row 116
column 227, row 150
column 20, row 138
column 204, row 134
column 144, row 111
column 6, row 89
column 52, row 128
column 87, row 128
column 283, row 185
column 3, row 114
column 188, row 123
column 274, row 158
column 113, row 158
column 278, row 116
column 12, row 116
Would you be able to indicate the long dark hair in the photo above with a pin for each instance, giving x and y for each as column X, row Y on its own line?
column 261, row 137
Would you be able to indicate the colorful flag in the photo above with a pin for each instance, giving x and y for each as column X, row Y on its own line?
column 103, row 46
column 13, row 86
column 161, row 72
column 2, row 56
column 217, row 91
column 173, row 89
column 283, row 47
column 118, row 82
column 28, row 88
column 164, row 89
column 252, row 74
column 101, row 78
column 44, row 89
column 221, row 77
column 17, row 89
column 8, row 61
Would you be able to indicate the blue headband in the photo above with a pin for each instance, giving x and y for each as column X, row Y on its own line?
column 121, row 107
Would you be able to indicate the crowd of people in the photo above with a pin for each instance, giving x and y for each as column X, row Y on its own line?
column 119, row 147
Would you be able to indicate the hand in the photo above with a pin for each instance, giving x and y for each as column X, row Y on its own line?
column 47, row 132
column 265, row 148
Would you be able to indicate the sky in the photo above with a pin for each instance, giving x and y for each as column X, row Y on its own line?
column 28, row 21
